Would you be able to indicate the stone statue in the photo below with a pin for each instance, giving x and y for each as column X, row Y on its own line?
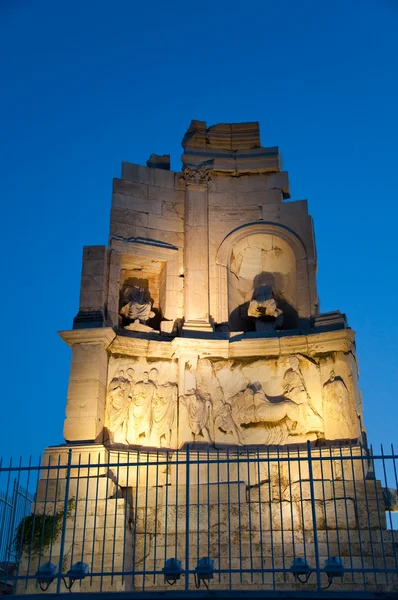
column 163, row 409
column 140, row 413
column 263, row 309
column 199, row 409
column 118, row 404
column 224, row 420
column 139, row 308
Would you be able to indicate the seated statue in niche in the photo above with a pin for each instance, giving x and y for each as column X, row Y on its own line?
column 138, row 309
column 199, row 409
column 263, row 308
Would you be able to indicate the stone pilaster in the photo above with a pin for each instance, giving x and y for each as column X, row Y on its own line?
column 93, row 289
column 196, row 249
column 87, row 383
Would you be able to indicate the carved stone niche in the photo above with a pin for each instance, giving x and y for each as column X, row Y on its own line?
column 142, row 292
column 258, row 262
column 143, row 279
column 261, row 254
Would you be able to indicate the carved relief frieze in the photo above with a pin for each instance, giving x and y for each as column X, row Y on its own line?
column 141, row 406
column 261, row 401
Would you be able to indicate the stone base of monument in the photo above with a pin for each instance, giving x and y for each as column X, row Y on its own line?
column 253, row 511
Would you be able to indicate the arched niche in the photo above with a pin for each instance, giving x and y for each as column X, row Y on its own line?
column 256, row 254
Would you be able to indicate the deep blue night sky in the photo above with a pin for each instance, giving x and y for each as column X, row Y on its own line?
column 86, row 85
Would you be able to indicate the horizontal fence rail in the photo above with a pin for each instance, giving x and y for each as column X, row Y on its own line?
column 306, row 518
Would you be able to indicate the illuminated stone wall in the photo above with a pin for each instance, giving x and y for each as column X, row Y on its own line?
column 200, row 321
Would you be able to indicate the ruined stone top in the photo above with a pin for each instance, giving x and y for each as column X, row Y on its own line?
column 231, row 148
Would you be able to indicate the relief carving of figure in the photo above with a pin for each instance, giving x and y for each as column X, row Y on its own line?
column 118, row 404
column 138, row 308
column 163, row 409
column 336, row 396
column 279, row 415
column 140, row 413
column 224, row 420
column 199, row 409
column 295, row 389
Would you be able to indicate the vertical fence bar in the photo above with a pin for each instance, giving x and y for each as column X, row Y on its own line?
column 65, row 516
column 346, row 513
column 260, row 511
column 198, row 507
column 55, row 515
column 239, row 519
column 289, row 475
column 14, row 506
column 136, row 509
column 76, row 510
column 94, row 569
column 281, row 514
column 33, row 524
column 176, row 506
column 270, row 519
column 23, row 522
column 321, row 455
column 105, row 521
column 353, row 474
column 208, row 502
column 332, row 472
column 364, row 475
column 314, row 523
column 250, row 508
column 127, row 507
column 187, row 505
column 116, row 521
column 229, row 520
column 145, row 518
column 166, row 506
column 156, row 516
column 389, row 508
column 379, row 519
column 219, row 516
column 3, row 519
column 301, row 504
column 85, row 512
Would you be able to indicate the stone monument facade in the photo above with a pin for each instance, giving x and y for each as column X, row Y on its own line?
column 199, row 326
column 200, row 320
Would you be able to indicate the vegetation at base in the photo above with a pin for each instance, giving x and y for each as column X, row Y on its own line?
column 36, row 532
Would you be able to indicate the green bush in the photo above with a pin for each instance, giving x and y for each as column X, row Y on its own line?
column 35, row 533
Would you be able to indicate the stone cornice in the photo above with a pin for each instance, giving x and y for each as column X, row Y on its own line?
column 100, row 335
column 314, row 344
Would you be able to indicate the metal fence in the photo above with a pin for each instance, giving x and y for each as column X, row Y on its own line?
column 15, row 505
column 263, row 519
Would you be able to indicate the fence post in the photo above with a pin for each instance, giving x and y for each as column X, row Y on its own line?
column 12, row 521
column 65, row 516
column 187, row 505
column 313, row 509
